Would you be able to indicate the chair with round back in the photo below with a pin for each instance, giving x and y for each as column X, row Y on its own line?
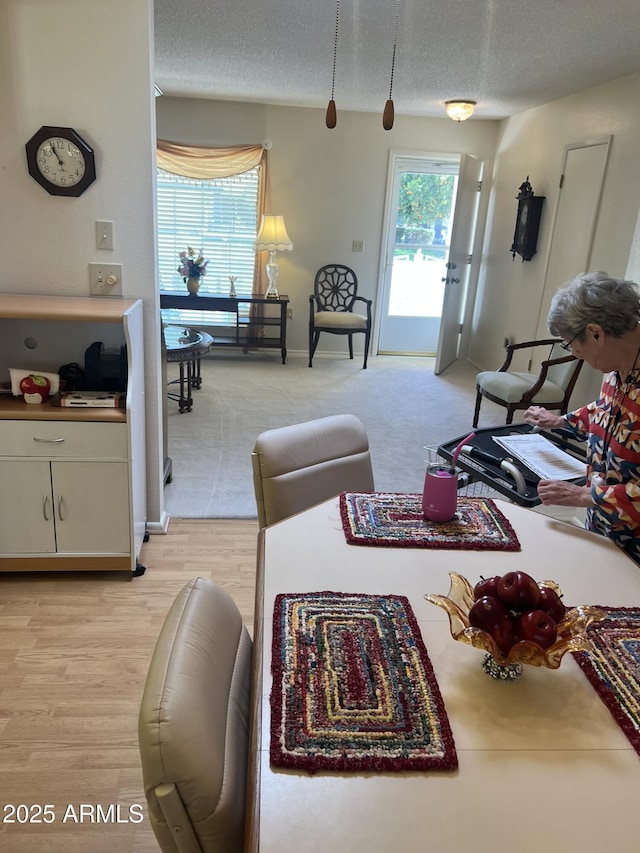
column 331, row 308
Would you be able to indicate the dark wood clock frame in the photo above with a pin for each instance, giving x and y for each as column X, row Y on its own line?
column 525, row 236
column 72, row 136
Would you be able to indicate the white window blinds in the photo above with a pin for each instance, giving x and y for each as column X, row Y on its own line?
column 218, row 217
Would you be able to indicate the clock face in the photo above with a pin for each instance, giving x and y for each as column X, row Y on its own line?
column 60, row 161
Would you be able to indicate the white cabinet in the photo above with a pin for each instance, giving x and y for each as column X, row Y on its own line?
column 72, row 481
column 55, row 508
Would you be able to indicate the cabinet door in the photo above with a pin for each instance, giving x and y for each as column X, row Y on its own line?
column 26, row 507
column 92, row 509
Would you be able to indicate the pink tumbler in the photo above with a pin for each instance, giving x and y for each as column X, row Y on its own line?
column 440, row 493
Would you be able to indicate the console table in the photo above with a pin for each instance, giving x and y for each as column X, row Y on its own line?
column 275, row 326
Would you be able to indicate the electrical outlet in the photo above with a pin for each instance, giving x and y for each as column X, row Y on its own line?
column 289, row 313
column 105, row 279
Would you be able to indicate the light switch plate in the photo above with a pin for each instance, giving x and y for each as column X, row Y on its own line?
column 104, row 234
column 357, row 246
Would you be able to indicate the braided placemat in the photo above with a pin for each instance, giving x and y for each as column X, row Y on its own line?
column 353, row 687
column 396, row 520
column 613, row 667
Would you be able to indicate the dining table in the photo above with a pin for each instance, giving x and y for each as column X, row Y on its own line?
column 541, row 762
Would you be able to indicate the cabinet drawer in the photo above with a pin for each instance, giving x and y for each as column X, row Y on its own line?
column 56, row 439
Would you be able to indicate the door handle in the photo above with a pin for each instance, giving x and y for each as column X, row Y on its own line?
column 45, row 507
column 60, row 508
column 49, row 440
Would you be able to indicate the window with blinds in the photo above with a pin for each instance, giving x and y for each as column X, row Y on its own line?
column 218, row 217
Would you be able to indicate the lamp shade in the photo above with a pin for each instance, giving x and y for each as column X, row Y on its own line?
column 459, row 110
column 272, row 236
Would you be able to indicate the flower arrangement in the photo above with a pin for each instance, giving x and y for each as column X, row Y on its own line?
column 192, row 265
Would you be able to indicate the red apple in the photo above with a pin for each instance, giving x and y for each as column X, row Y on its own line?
column 537, row 627
column 489, row 614
column 518, row 591
column 35, row 389
column 552, row 604
column 486, row 586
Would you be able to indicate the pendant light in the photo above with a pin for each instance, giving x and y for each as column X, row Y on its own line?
column 331, row 118
column 389, row 112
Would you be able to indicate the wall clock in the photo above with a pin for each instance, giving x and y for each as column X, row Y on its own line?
column 60, row 160
column 525, row 237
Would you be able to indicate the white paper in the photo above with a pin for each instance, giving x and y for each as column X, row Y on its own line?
column 542, row 456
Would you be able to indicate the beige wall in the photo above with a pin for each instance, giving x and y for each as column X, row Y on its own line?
column 85, row 64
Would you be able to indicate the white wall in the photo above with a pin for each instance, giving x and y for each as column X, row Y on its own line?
column 533, row 143
column 85, row 64
column 328, row 184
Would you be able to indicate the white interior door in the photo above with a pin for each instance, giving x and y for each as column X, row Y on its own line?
column 458, row 265
column 418, row 220
column 582, row 177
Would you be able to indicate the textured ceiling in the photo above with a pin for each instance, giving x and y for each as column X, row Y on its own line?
column 508, row 55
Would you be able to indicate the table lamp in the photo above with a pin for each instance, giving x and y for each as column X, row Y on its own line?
column 272, row 238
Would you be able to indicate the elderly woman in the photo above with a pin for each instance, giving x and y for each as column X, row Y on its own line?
column 598, row 316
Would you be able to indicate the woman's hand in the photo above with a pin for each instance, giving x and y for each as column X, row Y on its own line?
column 561, row 493
column 540, row 417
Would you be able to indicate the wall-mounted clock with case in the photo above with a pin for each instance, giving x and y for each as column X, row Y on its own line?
column 525, row 237
column 60, row 160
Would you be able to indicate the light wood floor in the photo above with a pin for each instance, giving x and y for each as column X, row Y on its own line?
column 74, row 653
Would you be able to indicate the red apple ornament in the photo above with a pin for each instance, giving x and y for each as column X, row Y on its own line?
column 518, row 591
column 35, row 388
column 537, row 627
column 552, row 604
column 486, row 586
column 489, row 614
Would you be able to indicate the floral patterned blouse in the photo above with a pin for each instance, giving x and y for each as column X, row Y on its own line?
column 611, row 427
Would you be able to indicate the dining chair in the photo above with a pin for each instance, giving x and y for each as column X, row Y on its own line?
column 551, row 387
column 335, row 292
column 298, row 466
column 193, row 724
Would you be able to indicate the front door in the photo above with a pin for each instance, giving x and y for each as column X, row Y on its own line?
column 419, row 218
column 459, row 263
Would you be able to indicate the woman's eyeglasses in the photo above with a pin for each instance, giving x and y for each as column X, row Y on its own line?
column 568, row 344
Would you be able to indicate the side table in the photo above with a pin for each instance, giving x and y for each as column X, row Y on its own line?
column 185, row 346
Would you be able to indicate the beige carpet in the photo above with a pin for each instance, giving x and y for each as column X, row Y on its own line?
column 407, row 411
column 405, row 408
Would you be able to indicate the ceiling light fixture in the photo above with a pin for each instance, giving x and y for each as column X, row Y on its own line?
column 331, row 117
column 459, row 110
column 389, row 112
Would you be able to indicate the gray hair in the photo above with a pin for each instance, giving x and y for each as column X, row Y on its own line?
column 595, row 297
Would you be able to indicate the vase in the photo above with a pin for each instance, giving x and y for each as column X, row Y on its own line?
column 193, row 285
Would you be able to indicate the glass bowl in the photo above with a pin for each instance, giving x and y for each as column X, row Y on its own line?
column 572, row 631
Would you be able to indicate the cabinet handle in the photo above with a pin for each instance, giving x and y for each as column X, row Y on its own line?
column 49, row 440
column 60, row 506
column 45, row 507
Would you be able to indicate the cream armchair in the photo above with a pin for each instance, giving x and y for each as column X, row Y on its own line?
column 193, row 724
column 551, row 387
column 298, row 466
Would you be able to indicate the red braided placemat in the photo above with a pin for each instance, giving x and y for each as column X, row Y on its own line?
column 353, row 687
column 613, row 667
column 396, row 520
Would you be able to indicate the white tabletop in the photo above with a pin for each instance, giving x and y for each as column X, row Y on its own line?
column 542, row 764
